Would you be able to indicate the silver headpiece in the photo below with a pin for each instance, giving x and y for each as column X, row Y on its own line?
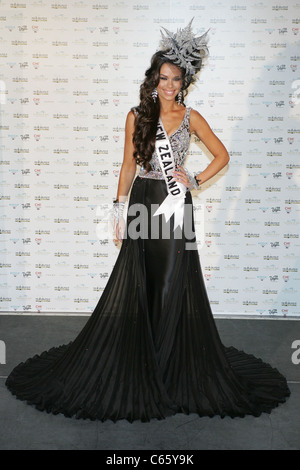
column 184, row 49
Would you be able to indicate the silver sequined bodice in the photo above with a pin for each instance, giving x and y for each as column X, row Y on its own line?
column 180, row 141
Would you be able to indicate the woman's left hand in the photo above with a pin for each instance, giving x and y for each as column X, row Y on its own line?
column 180, row 175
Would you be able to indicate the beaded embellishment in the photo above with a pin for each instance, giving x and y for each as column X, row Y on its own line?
column 180, row 141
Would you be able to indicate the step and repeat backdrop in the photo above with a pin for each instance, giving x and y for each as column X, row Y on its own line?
column 69, row 74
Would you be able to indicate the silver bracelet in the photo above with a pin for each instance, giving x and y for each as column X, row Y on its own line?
column 194, row 183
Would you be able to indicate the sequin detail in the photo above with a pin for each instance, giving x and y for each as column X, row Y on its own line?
column 180, row 141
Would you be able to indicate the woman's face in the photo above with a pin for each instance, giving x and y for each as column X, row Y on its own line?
column 170, row 82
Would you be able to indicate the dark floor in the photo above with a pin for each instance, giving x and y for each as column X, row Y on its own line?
column 25, row 428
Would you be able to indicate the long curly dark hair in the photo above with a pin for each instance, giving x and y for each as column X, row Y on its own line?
column 147, row 113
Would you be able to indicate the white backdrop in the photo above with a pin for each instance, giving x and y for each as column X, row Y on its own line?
column 70, row 72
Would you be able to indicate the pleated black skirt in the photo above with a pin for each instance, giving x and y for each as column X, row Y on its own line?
column 151, row 348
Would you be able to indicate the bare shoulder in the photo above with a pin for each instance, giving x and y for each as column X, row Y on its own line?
column 131, row 115
column 198, row 124
column 130, row 119
column 196, row 120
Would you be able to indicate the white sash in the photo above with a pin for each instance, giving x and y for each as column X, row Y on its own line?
column 174, row 202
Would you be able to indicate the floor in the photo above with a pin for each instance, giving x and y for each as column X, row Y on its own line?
column 25, row 428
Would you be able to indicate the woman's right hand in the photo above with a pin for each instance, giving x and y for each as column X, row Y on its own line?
column 119, row 231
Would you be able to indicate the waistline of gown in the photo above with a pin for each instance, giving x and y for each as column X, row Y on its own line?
column 153, row 174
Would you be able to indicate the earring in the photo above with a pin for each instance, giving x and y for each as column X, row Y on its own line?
column 154, row 95
column 179, row 97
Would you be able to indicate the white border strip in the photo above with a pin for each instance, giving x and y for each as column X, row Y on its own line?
column 46, row 314
column 254, row 317
column 227, row 316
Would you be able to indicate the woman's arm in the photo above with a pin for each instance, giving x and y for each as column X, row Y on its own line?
column 200, row 127
column 128, row 168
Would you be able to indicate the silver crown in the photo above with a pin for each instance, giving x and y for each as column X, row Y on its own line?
column 183, row 48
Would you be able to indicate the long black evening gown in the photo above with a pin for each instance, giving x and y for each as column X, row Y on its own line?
column 151, row 348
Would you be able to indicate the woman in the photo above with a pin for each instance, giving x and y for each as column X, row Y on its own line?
column 151, row 349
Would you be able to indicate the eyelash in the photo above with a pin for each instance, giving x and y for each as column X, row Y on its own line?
column 176, row 79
